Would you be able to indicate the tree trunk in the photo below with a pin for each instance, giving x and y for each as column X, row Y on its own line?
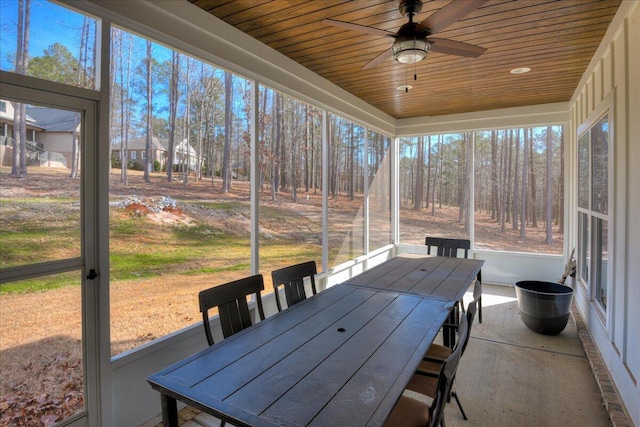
column 561, row 185
column 428, row 174
column 549, row 198
column 507, row 188
column 435, row 177
column 534, row 216
column 226, row 152
column 352, row 174
column 417, row 198
column 515, row 181
column 149, row 130
column 19, row 163
column 173, row 113
column 494, row 176
column 523, row 198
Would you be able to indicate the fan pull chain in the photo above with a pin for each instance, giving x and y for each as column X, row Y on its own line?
column 406, row 78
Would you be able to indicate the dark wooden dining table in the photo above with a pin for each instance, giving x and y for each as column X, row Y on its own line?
column 340, row 358
column 445, row 277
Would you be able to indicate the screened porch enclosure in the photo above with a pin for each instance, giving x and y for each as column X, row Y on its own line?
column 216, row 158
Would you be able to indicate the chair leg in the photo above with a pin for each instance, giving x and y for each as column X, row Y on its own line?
column 480, row 309
column 455, row 395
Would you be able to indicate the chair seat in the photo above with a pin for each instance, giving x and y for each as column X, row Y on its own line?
column 438, row 352
column 424, row 384
column 409, row 412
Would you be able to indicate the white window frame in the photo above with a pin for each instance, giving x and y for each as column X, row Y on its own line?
column 590, row 284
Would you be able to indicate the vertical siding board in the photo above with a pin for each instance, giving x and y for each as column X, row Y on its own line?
column 631, row 195
column 607, row 70
column 597, row 84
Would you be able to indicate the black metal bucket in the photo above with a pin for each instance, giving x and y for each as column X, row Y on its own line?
column 544, row 306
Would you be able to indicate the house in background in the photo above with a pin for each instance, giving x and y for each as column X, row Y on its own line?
column 50, row 135
column 136, row 152
column 60, row 129
column 184, row 154
column 6, row 134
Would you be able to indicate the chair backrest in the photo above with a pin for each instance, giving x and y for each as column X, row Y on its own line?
column 472, row 308
column 448, row 247
column 292, row 279
column 231, row 301
column 447, row 375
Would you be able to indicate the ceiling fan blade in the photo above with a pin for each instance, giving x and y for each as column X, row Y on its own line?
column 452, row 47
column 387, row 54
column 450, row 14
column 356, row 27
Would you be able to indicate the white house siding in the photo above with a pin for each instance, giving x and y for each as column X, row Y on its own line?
column 57, row 144
column 55, row 141
column 615, row 71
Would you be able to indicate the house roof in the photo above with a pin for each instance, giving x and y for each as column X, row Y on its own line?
column 54, row 120
column 141, row 144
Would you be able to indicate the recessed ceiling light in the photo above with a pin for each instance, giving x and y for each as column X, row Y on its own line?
column 521, row 70
column 405, row 87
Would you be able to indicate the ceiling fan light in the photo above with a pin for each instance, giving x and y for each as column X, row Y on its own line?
column 410, row 50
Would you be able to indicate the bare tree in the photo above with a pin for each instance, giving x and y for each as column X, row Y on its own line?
column 515, row 181
column 19, row 164
column 534, row 216
column 149, row 130
column 228, row 121
column 419, row 183
column 494, row 176
column 277, row 140
column 561, row 185
column 174, row 98
column 549, row 198
column 523, row 199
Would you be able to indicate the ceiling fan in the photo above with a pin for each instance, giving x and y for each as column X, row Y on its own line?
column 413, row 40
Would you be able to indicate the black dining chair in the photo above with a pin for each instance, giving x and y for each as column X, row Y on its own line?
column 434, row 388
column 451, row 247
column 231, row 301
column 292, row 279
column 436, row 356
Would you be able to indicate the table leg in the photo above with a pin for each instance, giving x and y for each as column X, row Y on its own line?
column 169, row 411
column 450, row 327
column 479, row 285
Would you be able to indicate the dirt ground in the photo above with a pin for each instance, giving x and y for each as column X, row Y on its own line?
column 40, row 332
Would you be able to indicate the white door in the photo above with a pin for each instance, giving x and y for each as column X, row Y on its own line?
column 53, row 334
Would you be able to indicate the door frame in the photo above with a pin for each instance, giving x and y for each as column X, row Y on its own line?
column 94, row 242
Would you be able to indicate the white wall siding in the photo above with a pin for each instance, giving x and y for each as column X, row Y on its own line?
column 614, row 75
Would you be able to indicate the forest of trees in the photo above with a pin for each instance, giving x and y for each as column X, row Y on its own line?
column 518, row 177
column 157, row 92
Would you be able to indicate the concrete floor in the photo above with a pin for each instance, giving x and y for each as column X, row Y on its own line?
column 511, row 376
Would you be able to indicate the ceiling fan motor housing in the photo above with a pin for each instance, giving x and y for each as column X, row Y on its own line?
column 410, row 7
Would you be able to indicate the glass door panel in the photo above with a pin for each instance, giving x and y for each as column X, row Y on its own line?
column 42, row 332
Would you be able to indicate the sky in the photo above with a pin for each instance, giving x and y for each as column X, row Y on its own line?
column 50, row 24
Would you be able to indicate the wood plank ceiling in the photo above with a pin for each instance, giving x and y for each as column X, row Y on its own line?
column 555, row 38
